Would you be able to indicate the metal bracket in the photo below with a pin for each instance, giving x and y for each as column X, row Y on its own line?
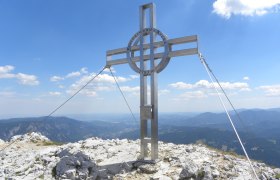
column 146, row 112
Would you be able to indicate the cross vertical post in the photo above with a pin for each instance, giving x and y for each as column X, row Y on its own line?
column 148, row 112
column 143, row 88
column 149, row 72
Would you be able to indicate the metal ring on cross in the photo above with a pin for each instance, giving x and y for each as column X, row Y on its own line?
column 136, row 38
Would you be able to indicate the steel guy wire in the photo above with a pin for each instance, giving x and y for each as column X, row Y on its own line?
column 225, row 94
column 208, row 70
column 62, row 104
column 127, row 104
column 246, row 128
column 232, row 106
column 77, row 92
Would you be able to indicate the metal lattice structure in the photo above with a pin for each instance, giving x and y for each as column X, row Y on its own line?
column 148, row 72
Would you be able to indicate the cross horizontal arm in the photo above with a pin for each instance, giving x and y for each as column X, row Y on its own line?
column 186, row 39
column 171, row 42
column 183, row 52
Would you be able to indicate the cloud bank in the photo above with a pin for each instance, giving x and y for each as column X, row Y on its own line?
column 70, row 75
column 24, row 79
column 204, row 84
column 227, row 8
column 271, row 90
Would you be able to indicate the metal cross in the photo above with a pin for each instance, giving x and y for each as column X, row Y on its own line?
column 158, row 61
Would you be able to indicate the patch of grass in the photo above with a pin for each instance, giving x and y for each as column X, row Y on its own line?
column 232, row 153
column 41, row 176
column 51, row 143
column 277, row 176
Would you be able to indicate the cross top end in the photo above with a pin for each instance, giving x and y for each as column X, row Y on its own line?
column 137, row 47
column 148, row 31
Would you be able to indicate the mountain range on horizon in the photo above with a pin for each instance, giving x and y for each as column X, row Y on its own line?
column 258, row 130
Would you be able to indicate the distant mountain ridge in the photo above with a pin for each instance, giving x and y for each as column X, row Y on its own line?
column 259, row 130
column 60, row 129
column 263, row 123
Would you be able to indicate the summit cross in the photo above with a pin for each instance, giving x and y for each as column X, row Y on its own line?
column 141, row 49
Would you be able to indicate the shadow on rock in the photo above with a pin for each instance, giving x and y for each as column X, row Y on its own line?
column 80, row 166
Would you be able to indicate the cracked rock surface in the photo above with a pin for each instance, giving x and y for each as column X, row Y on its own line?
column 33, row 156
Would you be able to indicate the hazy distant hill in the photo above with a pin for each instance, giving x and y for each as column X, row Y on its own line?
column 264, row 149
column 259, row 129
column 260, row 123
column 61, row 129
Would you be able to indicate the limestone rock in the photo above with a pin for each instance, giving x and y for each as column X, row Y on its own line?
column 95, row 158
column 76, row 166
column 30, row 137
column 190, row 170
column 148, row 168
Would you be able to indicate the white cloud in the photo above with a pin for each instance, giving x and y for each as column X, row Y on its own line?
column 193, row 94
column 84, row 70
column 102, row 78
column 56, row 78
column 246, row 78
column 103, row 82
column 90, row 93
column 61, row 86
column 108, row 70
column 73, row 74
column 271, row 90
column 203, row 89
column 204, row 84
column 27, row 79
column 6, row 69
column 7, row 76
column 105, row 78
column 135, row 89
column 233, row 86
column 86, row 92
column 134, row 76
column 181, row 85
column 99, row 87
column 214, row 93
column 163, row 92
column 227, row 8
column 55, row 93
column 5, row 72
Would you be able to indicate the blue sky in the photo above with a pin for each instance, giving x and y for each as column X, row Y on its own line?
column 48, row 49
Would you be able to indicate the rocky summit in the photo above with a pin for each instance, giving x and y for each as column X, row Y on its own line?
column 33, row 156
